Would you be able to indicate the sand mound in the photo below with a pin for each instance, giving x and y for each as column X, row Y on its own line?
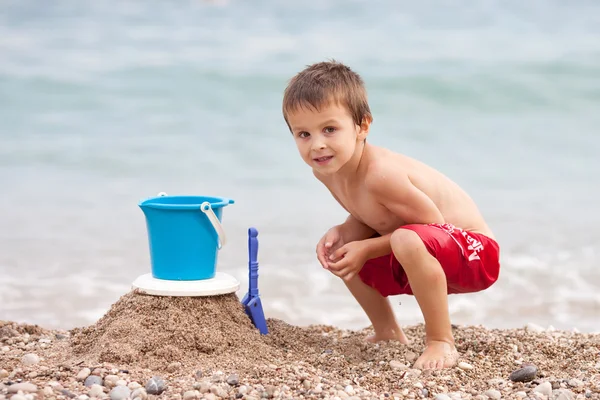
column 154, row 332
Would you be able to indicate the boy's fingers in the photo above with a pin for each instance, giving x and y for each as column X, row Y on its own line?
column 321, row 256
column 338, row 253
column 345, row 274
column 323, row 260
column 338, row 265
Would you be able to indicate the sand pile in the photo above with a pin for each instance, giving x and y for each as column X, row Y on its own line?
column 155, row 332
column 148, row 347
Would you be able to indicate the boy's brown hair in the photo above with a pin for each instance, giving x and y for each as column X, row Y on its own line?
column 324, row 82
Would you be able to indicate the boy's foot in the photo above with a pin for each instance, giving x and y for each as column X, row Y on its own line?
column 393, row 335
column 437, row 355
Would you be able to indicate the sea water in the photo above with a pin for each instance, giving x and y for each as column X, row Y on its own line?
column 105, row 103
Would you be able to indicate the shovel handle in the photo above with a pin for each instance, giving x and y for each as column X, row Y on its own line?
column 253, row 261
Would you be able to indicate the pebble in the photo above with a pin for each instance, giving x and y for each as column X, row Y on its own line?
column 110, row 381
column 413, row 373
column 524, row 374
column 233, row 380
column 84, row 373
column 23, row 386
column 217, row 377
column 3, row 373
column 395, row 364
column 191, row 395
column 220, row 392
column 465, row 366
column 544, row 388
column 120, row 393
column 55, row 385
column 350, row 390
column 442, row 396
column 493, row 394
column 318, row 389
column 575, row 383
column 96, row 391
column 563, row 394
column 92, row 380
column 139, row 393
column 342, row 395
column 155, row 385
column 67, row 393
column 30, row 359
column 203, row 387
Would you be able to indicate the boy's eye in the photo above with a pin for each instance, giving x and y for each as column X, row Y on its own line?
column 330, row 129
column 303, row 134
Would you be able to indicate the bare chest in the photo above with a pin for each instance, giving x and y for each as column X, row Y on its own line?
column 364, row 207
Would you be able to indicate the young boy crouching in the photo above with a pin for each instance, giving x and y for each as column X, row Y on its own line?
column 410, row 229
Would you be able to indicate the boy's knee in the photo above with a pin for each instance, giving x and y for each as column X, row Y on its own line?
column 406, row 245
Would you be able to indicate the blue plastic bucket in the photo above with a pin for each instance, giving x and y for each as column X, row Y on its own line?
column 184, row 235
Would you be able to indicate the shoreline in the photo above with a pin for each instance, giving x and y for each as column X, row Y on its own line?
column 147, row 347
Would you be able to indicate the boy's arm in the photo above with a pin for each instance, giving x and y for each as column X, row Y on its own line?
column 353, row 229
column 401, row 197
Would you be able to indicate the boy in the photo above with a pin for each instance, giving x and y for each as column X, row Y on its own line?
column 411, row 230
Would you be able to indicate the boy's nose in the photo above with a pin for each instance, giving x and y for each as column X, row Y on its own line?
column 318, row 145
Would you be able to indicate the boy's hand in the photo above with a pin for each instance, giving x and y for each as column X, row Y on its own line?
column 329, row 243
column 349, row 259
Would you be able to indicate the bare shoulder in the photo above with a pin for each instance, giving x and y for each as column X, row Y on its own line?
column 384, row 170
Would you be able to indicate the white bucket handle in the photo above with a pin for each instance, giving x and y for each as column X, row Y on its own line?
column 207, row 209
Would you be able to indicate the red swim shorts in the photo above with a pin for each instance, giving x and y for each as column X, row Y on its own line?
column 470, row 261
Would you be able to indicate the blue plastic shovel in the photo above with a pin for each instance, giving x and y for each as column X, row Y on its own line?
column 251, row 300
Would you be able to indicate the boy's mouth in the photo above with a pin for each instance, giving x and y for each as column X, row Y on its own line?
column 323, row 160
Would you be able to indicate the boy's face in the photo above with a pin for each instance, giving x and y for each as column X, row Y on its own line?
column 326, row 139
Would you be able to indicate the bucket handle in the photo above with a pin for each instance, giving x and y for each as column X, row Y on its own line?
column 207, row 209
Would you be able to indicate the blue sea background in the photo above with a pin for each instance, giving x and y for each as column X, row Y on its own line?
column 104, row 103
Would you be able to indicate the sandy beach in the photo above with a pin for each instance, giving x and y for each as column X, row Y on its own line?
column 149, row 347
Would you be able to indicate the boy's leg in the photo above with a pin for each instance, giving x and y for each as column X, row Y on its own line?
column 428, row 283
column 379, row 311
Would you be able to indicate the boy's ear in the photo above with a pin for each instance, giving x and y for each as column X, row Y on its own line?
column 365, row 125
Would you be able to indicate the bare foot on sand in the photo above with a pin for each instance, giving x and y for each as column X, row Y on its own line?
column 390, row 335
column 437, row 355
